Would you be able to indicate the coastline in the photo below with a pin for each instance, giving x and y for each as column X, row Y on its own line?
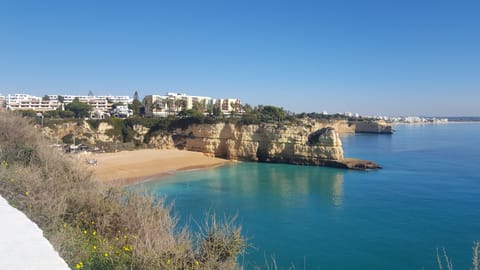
column 131, row 167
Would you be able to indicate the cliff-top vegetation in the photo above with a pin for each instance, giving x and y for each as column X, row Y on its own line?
column 101, row 227
column 123, row 128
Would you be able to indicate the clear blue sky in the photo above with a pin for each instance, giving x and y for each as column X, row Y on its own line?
column 373, row 57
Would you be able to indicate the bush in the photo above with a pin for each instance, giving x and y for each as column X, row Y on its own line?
column 66, row 114
column 26, row 113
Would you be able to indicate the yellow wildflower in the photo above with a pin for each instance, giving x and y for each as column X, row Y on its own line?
column 105, row 254
column 94, row 247
column 116, row 238
column 94, row 233
column 79, row 265
column 126, row 248
column 64, row 225
column 84, row 231
column 169, row 261
column 197, row 263
column 124, row 237
column 26, row 193
column 93, row 222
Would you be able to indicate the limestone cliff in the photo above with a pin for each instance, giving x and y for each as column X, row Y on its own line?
column 370, row 126
column 81, row 130
column 267, row 142
column 341, row 126
column 306, row 143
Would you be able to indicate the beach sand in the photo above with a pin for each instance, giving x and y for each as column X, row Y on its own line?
column 127, row 167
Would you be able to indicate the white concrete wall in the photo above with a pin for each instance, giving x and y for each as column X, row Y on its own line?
column 22, row 245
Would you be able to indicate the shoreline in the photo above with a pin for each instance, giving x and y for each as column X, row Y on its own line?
column 144, row 179
column 132, row 167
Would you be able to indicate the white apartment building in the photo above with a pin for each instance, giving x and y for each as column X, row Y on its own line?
column 28, row 102
column 171, row 103
column 118, row 99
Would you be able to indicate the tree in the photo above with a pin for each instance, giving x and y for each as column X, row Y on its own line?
column 61, row 99
column 180, row 104
column 136, row 104
column 216, row 111
column 27, row 113
column 247, row 108
column 46, row 98
column 66, row 114
column 170, row 104
column 199, row 105
column 191, row 113
column 271, row 113
column 51, row 114
column 78, row 108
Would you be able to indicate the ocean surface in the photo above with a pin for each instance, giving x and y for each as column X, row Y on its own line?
column 427, row 196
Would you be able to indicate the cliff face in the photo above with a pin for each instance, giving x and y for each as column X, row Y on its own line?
column 346, row 126
column 267, row 142
column 82, row 131
column 308, row 143
column 378, row 126
column 341, row 126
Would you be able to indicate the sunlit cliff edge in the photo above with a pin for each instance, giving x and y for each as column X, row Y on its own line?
column 310, row 142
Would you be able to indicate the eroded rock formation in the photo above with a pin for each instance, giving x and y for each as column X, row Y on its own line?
column 267, row 142
column 308, row 143
column 377, row 126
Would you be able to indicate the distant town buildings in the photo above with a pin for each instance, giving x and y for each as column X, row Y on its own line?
column 155, row 105
column 418, row 120
column 54, row 102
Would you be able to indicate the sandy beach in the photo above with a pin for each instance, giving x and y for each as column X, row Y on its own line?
column 131, row 166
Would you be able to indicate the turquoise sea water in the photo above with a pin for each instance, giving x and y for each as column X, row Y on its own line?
column 426, row 196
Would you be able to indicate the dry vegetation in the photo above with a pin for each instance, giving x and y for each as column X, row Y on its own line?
column 96, row 227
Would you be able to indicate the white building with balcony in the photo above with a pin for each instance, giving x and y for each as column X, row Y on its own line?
column 28, row 102
column 53, row 102
column 172, row 103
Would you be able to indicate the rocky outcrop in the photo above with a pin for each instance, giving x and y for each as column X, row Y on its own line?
column 349, row 126
column 140, row 132
column 307, row 143
column 162, row 141
column 370, row 126
column 81, row 130
column 268, row 142
column 341, row 126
